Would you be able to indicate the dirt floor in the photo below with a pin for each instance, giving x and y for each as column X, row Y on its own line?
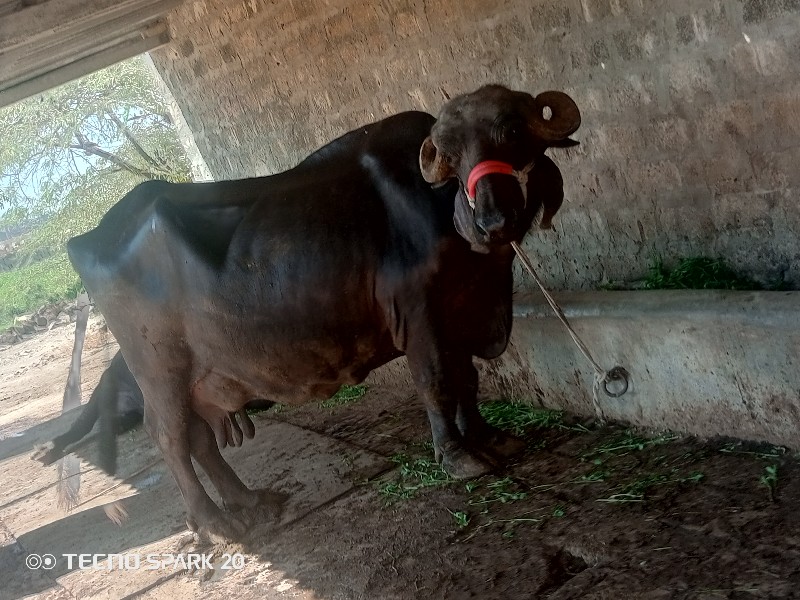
column 587, row 512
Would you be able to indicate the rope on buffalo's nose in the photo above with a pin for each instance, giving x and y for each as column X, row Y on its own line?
column 617, row 375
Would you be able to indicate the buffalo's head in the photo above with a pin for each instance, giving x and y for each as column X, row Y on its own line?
column 493, row 141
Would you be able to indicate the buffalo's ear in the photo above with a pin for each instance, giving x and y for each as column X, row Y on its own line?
column 434, row 167
column 565, row 143
column 551, row 205
column 550, row 187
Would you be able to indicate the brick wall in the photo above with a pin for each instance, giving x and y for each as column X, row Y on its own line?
column 691, row 131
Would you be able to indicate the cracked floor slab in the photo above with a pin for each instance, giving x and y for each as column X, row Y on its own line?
column 312, row 469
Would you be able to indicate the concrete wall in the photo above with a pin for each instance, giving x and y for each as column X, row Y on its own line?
column 691, row 134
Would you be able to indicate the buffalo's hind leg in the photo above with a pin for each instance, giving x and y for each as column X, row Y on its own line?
column 168, row 423
column 235, row 494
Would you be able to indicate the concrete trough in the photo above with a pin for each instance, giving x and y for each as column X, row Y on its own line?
column 705, row 362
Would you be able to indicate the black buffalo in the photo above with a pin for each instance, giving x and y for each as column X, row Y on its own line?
column 117, row 402
column 286, row 287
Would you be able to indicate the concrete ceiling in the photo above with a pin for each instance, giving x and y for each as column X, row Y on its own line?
column 44, row 43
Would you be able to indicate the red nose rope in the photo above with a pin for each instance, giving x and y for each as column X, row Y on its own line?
column 602, row 378
column 486, row 167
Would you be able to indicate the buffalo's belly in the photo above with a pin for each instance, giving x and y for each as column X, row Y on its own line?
column 235, row 364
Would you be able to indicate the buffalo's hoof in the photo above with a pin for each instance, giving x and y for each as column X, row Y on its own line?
column 269, row 505
column 504, row 445
column 272, row 503
column 46, row 454
column 461, row 464
column 218, row 528
column 264, row 500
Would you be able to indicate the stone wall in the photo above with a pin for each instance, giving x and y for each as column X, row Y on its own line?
column 691, row 133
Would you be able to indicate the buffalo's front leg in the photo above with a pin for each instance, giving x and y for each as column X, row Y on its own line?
column 437, row 376
column 474, row 428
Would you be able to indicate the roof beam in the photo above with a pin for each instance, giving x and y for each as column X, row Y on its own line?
column 47, row 44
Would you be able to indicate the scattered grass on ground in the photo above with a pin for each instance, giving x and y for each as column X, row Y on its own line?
column 275, row 408
column 660, row 470
column 508, row 526
column 503, row 490
column 597, row 476
column 624, row 443
column 417, row 472
column 503, row 504
column 636, row 490
column 763, row 451
column 518, row 417
column 461, row 518
column 770, row 480
column 345, row 395
column 489, row 493
column 414, row 473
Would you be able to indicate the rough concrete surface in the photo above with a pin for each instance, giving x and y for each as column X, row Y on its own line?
column 706, row 362
column 586, row 512
column 691, row 109
column 701, row 361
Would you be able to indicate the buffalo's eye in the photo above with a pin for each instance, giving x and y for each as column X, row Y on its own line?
column 509, row 130
column 514, row 133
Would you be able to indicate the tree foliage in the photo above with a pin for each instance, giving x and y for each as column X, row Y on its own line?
column 72, row 152
column 66, row 157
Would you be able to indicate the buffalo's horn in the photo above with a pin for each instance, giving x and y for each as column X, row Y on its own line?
column 564, row 120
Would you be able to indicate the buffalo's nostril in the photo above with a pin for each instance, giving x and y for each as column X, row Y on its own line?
column 491, row 226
